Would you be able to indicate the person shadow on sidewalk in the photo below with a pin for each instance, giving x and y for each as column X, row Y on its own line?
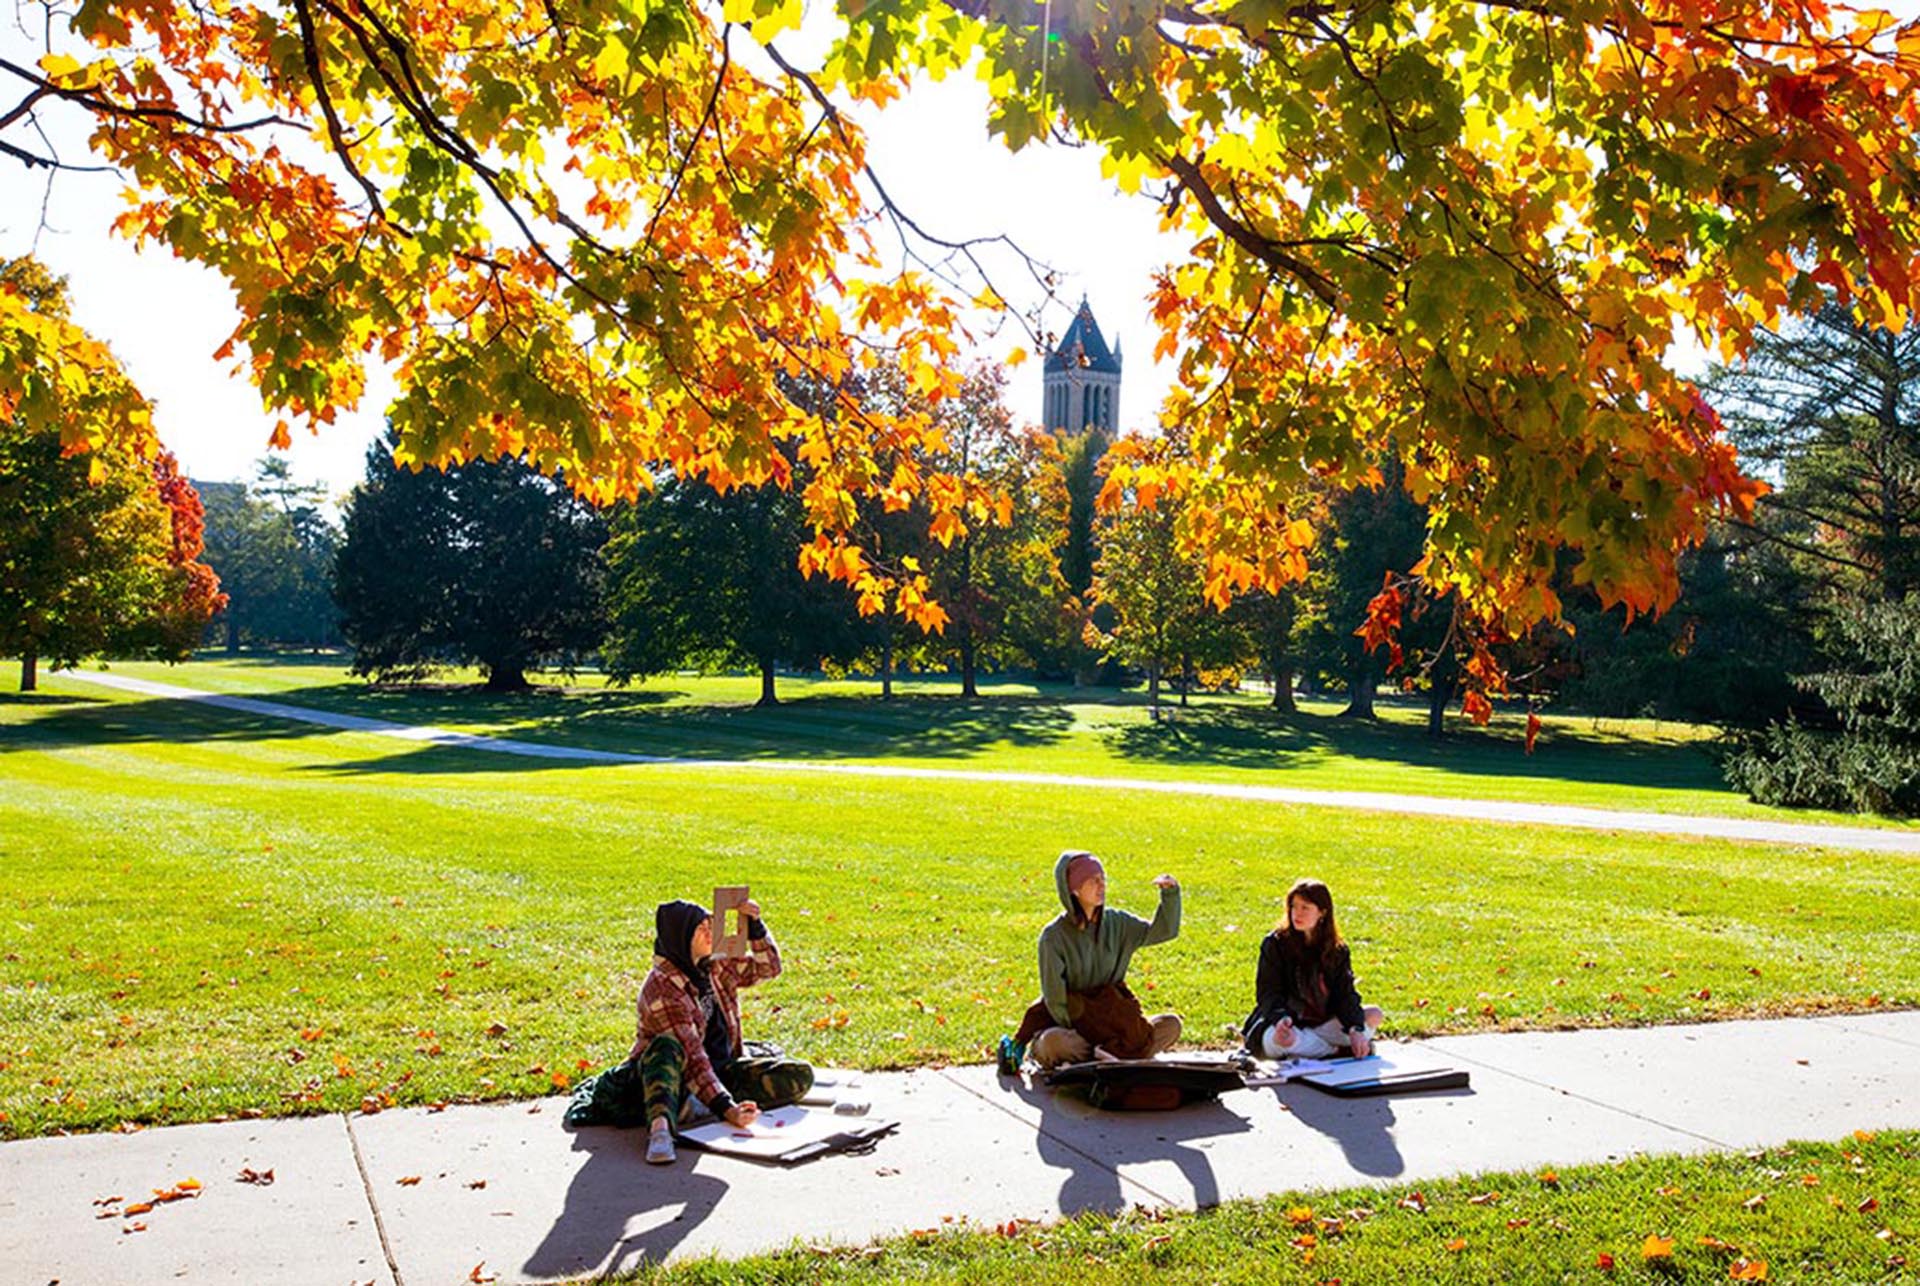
column 614, row 1190
column 1093, row 1145
column 1363, row 1127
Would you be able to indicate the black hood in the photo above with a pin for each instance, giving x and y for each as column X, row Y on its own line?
column 674, row 924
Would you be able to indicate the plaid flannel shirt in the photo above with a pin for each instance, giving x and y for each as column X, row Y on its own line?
column 669, row 1004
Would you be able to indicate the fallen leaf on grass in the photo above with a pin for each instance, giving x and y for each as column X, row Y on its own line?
column 1414, row 1201
column 1305, row 1241
column 1714, row 1243
column 496, row 1029
column 1513, row 1224
column 260, row 1177
column 1603, row 1261
column 1550, row 1177
column 1483, row 1199
column 1865, row 1136
column 1868, row 1206
column 1656, row 1247
column 1755, row 1202
column 1299, row 1214
column 1457, row 1245
column 1748, row 1270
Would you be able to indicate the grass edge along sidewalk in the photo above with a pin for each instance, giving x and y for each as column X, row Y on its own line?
column 1486, row 810
column 1845, row 1211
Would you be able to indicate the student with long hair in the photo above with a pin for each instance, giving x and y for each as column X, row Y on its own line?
column 1305, row 1002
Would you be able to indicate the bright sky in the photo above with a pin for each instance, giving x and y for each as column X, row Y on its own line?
column 164, row 317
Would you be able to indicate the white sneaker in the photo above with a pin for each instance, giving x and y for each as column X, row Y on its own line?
column 660, row 1147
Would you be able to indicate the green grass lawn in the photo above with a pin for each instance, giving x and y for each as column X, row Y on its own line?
column 209, row 913
column 1018, row 727
column 1845, row 1212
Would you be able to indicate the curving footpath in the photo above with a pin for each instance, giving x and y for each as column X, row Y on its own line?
column 502, row 1192
column 1482, row 810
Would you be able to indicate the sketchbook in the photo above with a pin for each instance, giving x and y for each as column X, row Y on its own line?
column 785, row 1135
column 1363, row 1077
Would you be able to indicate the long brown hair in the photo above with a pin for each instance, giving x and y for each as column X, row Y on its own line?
column 1326, row 937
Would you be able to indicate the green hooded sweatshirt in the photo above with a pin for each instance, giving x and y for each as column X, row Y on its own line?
column 1082, row 957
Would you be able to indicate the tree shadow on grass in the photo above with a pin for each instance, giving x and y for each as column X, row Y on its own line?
column 643, row 723
column 1246, row 738
column 45, row 699
column 77, row 722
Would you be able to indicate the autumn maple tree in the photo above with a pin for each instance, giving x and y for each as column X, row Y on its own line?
column 99, row 548
column 1462, row 235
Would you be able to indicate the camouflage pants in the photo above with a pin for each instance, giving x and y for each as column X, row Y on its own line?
column 769, row 1082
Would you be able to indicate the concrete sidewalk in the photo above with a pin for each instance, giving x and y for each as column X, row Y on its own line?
column 1751, row 830
column 411, row 1197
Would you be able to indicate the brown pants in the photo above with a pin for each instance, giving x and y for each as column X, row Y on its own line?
column 1107, row 1018
column 1060, row 1045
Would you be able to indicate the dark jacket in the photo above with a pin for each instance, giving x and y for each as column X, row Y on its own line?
column 1283, row 982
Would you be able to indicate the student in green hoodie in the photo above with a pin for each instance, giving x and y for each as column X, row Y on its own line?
column 1085, row 1008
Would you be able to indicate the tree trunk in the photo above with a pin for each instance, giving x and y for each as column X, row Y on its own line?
column 1282, row 677
column 30, row 671
column 1153, row 687
column 233, row 632
column 767, row 697
column 507, row 676
column 1360, row 691
column 886, row 666
column 1186, row 679
column 967, row 686
column 1437, row 698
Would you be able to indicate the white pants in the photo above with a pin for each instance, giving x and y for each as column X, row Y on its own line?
column 1311, row 1042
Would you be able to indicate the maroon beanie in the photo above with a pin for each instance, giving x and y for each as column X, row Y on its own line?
column 1081, row 868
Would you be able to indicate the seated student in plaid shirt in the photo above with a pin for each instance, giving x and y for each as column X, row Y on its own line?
column 689, row 1027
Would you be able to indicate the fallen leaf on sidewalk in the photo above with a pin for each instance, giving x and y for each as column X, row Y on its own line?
column 478, row 1183
column 476, row 1274
column 250, row 1175
column 108, row 1201
column 138, row 1208
column 134, row 1227
column 407, row 1181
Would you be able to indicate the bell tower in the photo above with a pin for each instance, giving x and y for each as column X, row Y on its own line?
column 1082, row 381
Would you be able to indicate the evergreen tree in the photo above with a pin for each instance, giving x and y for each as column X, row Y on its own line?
column 488, row 563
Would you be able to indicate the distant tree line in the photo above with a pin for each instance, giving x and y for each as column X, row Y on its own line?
column 1790, row 630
